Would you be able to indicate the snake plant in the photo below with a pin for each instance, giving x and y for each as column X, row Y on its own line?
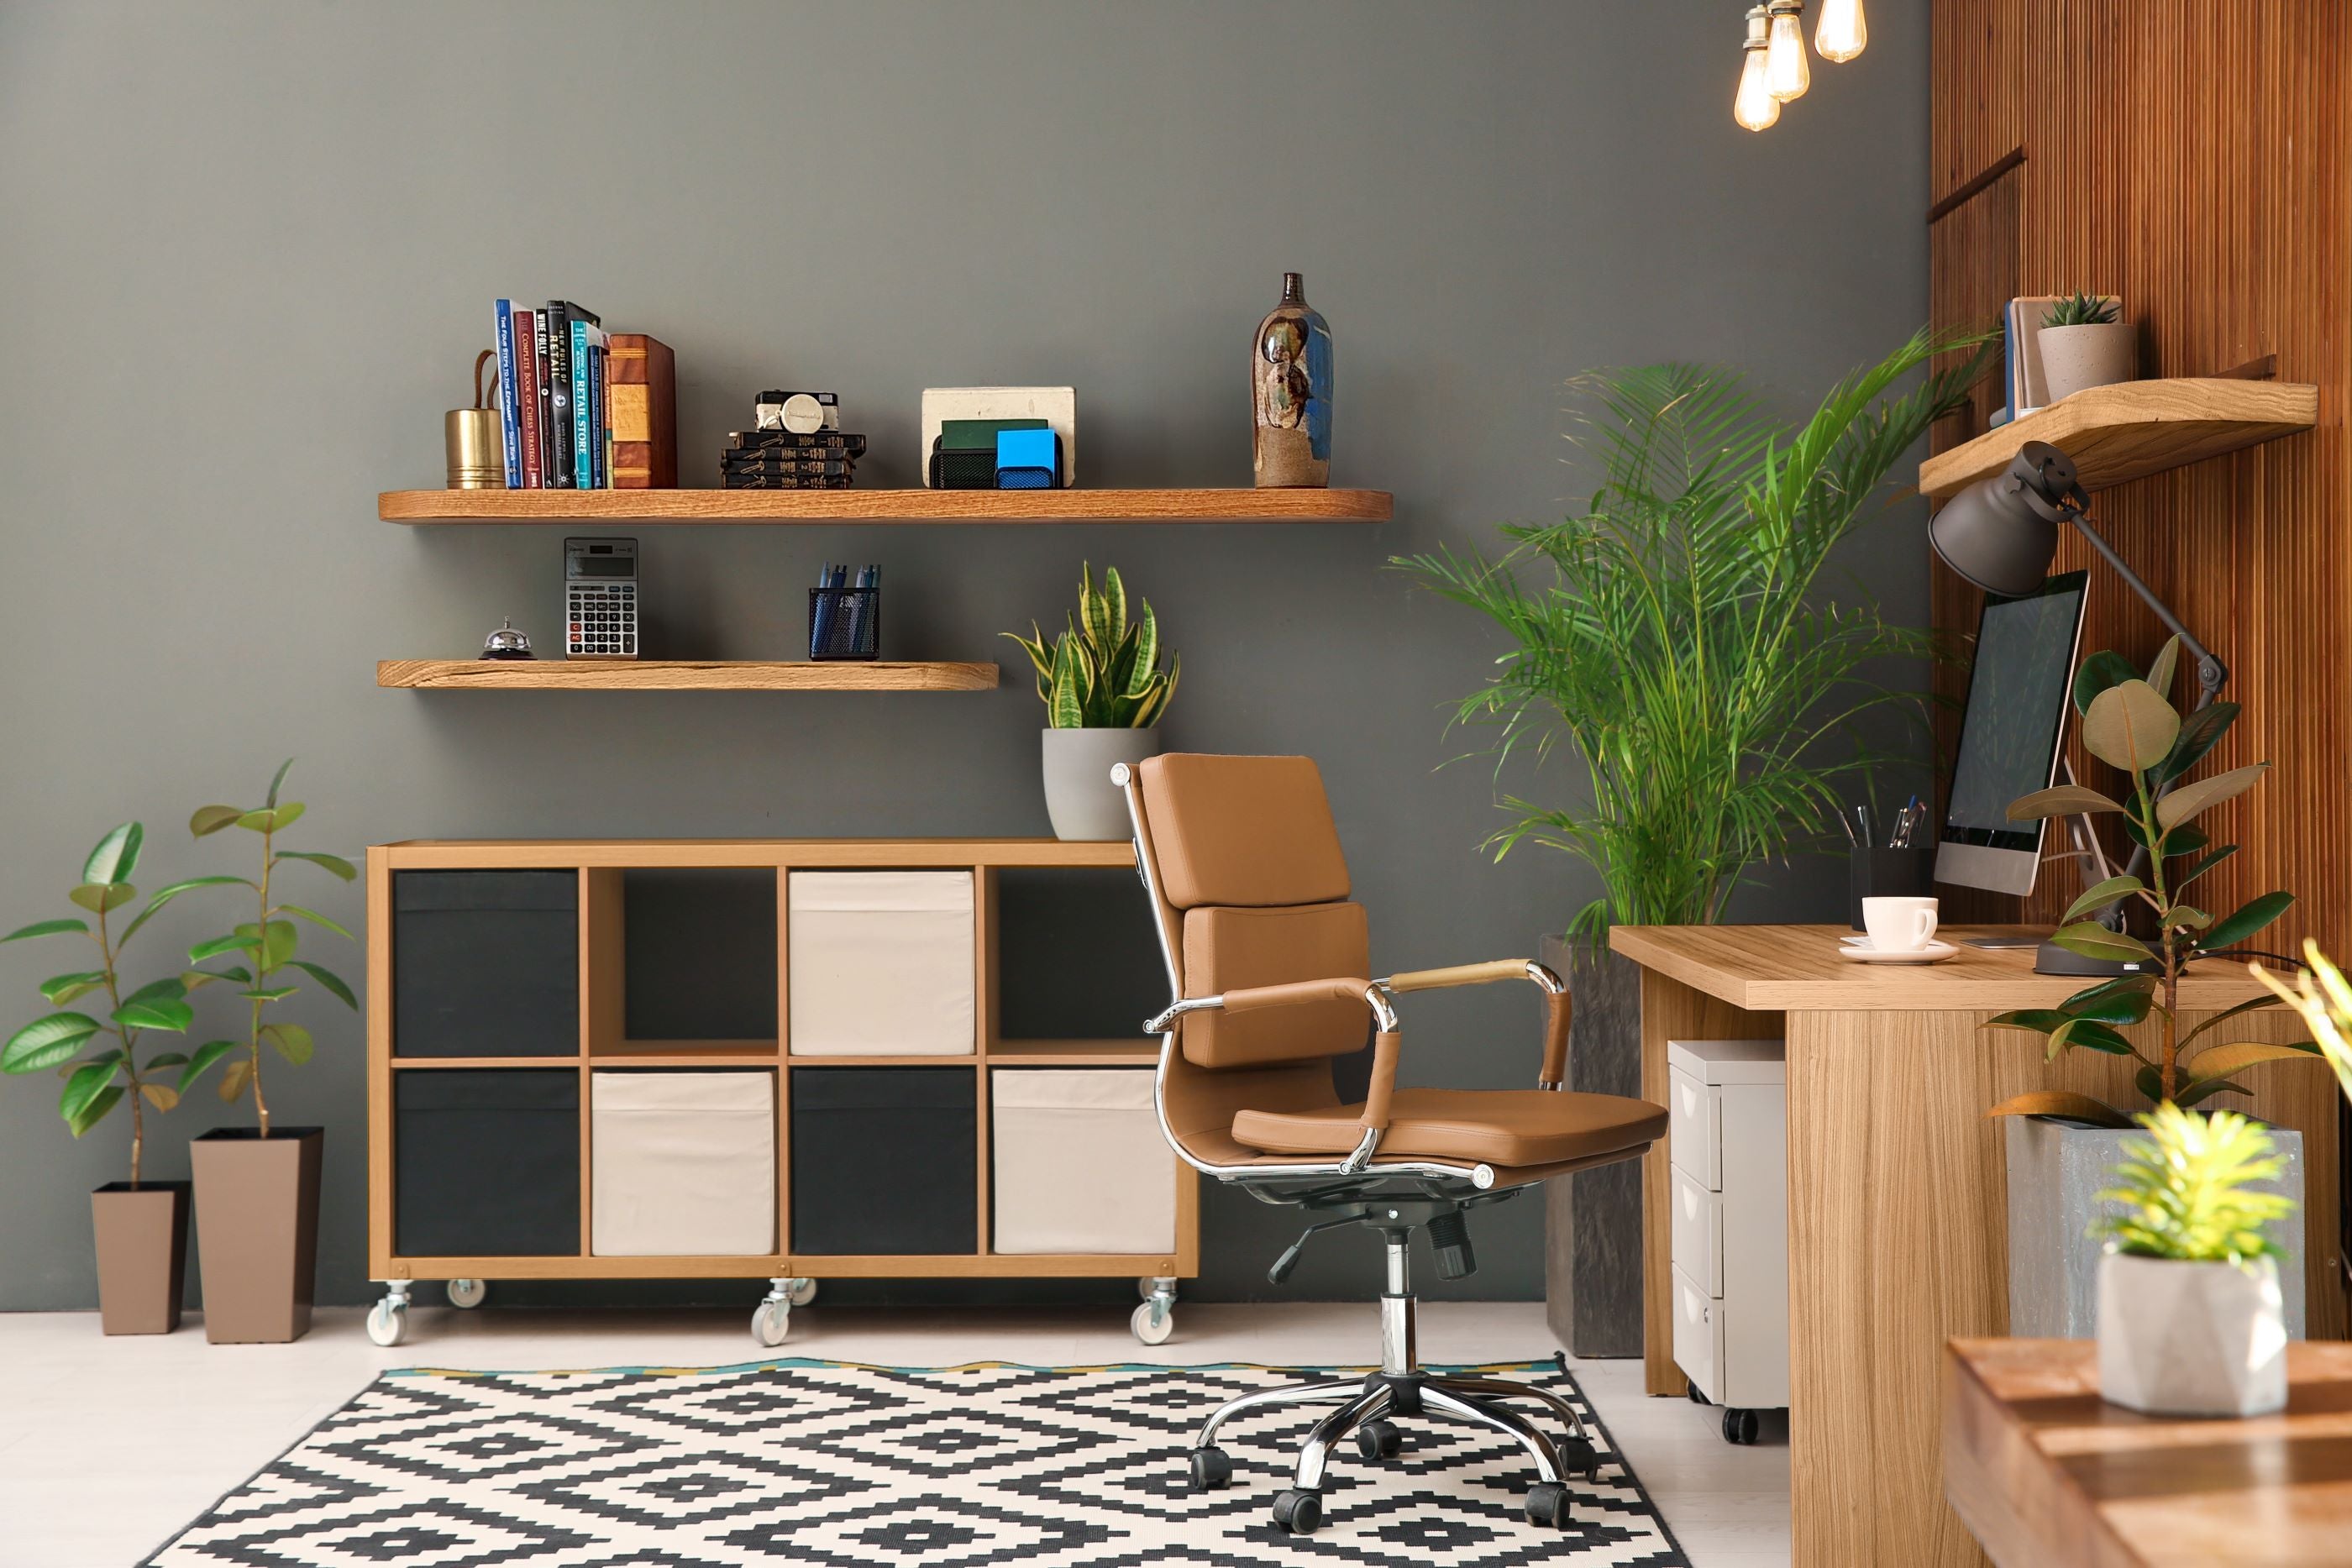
column 2080, row 311
column 1102, row 671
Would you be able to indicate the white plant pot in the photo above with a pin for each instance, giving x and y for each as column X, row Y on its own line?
column 2191, row 1339
column 1081, row 799
column 2098, row 354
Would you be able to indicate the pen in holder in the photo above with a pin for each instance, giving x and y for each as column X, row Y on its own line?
column 1881, row 872
column 845, row 622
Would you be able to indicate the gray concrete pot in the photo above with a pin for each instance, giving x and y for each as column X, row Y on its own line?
column 1081, row 799
column 2055, row 1168
column 1593, row 1219
column 2191, row 1339
column 2095, row 354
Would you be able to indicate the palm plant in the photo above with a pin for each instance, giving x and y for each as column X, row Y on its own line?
column 1684, row 644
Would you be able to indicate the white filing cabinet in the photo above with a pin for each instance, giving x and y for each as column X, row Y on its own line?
column 1727, row 1141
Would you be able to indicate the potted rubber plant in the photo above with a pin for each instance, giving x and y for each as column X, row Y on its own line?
column 2083, row 345
column 257, row 1187
column 1687, row 639
column 2189, row 1309
column 2061, row 1142
column 141, row 1225
column 1104, row 692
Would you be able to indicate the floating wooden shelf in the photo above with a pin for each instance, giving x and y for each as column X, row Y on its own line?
column 820, row 507
column 2123, row 432
column 681, row 675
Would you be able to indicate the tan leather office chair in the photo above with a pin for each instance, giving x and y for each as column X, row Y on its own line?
column 1267, row 960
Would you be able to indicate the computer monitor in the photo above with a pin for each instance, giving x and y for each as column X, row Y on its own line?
column 2010, row 731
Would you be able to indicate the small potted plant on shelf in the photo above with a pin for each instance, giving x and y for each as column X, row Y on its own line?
column 257, row 1187
column 2082, row 344
column 1104, row 692
column 2060, row 1141
column 142, row 1225
column 2189, row 1309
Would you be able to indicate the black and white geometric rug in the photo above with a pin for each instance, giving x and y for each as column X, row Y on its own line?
column 845, row 1466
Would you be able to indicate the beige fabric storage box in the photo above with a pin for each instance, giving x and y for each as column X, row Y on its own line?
column 682, row 1164
column 881, row 963
column 1079, row 1164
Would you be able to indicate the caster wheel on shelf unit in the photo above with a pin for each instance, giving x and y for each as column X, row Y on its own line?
column 1144, row 1285
column 467, row 1293
column 1740, row 1426
column 1213, row 1470
column 1547, row 1505
column 1152, row 1322
column 1578, row 1457
column 1297, row 1510
column 802, row 1292
column 387, row 1321
column 1380, row 1440
column 772, row 1322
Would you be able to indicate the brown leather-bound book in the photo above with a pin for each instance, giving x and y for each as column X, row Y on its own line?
column 643, row 375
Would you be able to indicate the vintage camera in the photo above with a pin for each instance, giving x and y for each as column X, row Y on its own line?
column 800, row 411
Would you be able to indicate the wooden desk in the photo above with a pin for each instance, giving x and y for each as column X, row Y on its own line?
column 2050, row 1475
column 1898, row 1223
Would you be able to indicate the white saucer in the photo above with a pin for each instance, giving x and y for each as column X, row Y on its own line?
column 1933, row 953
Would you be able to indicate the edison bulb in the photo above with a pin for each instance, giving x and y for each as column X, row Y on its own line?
column 1754, row 107
column 1843, row 31
column 1787, row 71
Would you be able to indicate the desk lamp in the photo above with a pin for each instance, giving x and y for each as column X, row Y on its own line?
column 2002, row 534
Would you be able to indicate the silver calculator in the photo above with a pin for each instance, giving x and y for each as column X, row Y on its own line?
column 600, row 599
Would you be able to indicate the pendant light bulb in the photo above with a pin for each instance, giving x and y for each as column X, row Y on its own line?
column 1843, row 31
column 1787, row 70
column 1754, row 107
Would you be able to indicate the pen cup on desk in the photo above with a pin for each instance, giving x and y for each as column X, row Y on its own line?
column 845, row 622
column 1891, row 873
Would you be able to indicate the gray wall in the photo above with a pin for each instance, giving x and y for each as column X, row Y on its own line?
column 247, row 252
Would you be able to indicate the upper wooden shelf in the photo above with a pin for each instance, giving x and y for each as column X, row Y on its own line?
column 2135, row 428
column 813, row 506
column 681, row 675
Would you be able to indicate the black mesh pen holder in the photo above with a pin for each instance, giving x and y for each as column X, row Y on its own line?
column 845, row 622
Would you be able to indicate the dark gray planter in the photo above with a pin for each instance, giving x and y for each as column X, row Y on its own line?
column 1593, row 1219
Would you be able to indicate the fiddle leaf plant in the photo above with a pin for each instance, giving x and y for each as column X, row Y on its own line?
column 1103, row 671
column 268, row 942
column 2128, row 724
column 98, row 1083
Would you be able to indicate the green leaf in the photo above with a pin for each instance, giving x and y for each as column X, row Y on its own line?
column 210, row 820
column 2229, row 1061
column 2117, row 1007
column 269, row 994
column 165, row 896
column 2101, row 895
column 2191, row 798
column 83, row 1088
column 195, row 979
column 335, row 863
column 116, row 856
column 2191, row 1093
column 2130, row 727
column 280, row 779
column 2060, row 800
column 204, row 1055
column 2201, row 867
column 99, row 897
column 2159, row 672
column 2257, row 1005
column 291, row 1040
column 328, row 978
column 2093, row 940
column 2031, row 1021
column 277, row 943
column 269, row 819
column 2093, row 1034
column 59, row 989
column 2199, row 733
column 48, row 928
column 165, row 1059
column 95, row 1111
column 315, row 918
column 2249, row 918
column 45, row 1042
column 2062, row 1102
column 157, row 1014
column 2100, row 672
column 240, row 943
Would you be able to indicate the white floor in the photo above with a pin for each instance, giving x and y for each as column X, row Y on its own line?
column 107, row 1445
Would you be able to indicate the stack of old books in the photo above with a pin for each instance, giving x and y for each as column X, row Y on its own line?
column 790, row 459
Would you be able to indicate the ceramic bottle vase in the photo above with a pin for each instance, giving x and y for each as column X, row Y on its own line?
column 1290, row 387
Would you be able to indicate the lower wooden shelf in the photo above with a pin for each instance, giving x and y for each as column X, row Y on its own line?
column 683, row 675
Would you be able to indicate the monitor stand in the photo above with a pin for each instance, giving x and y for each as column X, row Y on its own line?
column 2094, row 867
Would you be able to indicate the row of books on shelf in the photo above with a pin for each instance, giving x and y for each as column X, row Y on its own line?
column 581, row 408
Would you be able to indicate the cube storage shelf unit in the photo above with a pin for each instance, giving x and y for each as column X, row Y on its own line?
column 830, row 506
column 499, row 995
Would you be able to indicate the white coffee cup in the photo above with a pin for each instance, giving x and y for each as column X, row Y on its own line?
column 1899, row 924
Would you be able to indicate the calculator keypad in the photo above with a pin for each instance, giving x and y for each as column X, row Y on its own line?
column 601, row 620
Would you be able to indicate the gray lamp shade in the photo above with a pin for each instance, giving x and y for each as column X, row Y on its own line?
column 2001, row 533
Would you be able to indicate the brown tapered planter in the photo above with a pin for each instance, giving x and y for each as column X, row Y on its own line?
column 258, row 1218
column 143, row 1254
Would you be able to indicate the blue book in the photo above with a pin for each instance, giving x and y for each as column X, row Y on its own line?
column 510, row 421
column 596, row 416
column 582, row 472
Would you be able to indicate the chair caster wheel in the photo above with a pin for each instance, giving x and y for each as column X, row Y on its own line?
column 1578, row 1457
column 1740, row 1426
column 1213, row 1470
column 1297, row 1510
column 1695, row 1397
column 1380, row 1440
column 1547, row 1505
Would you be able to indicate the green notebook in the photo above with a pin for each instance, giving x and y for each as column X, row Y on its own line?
column 978, row 434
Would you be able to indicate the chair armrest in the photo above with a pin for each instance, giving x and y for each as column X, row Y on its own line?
column 1485, row 974
column 1554, row 1072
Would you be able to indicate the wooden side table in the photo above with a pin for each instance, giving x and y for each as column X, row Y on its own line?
column 2044, row 1472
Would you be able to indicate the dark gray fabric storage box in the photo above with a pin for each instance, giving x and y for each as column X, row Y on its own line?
column 486, row 963
column 486, row 1162
column 884, row 1160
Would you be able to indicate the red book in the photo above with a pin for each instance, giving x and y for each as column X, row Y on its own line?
column 526, row 335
